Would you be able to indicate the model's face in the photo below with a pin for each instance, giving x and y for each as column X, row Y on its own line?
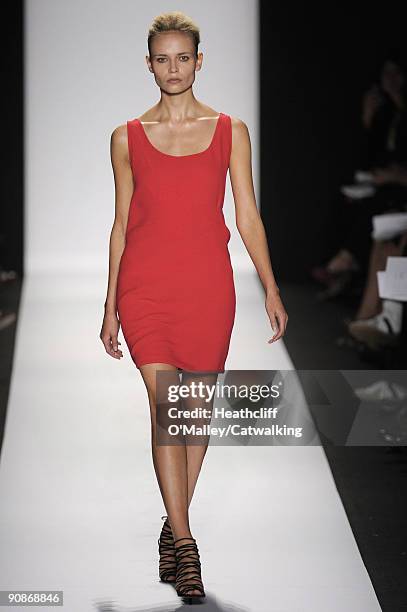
column 173, row 61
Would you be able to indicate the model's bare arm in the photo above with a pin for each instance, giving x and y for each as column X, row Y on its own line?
column 123, row 181
column 250, row 225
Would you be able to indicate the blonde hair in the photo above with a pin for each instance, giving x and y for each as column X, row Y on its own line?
column 174, row 20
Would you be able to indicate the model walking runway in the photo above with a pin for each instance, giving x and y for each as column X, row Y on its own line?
column 175, row 290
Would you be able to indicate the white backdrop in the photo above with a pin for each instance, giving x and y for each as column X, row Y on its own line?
column 86, row 74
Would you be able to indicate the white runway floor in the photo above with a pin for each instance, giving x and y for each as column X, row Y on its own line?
column 80, row 504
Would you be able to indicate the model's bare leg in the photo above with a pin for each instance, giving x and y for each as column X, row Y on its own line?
column 371, row 301
column 200, row 411
column 197, row 446
column 170, row 462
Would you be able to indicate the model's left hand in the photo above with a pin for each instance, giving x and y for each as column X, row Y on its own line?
column 277, row 314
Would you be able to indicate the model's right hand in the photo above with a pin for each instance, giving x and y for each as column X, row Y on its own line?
column 109, row 333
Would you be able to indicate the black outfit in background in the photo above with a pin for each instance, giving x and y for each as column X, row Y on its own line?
column 386, row 139
column 386, row 143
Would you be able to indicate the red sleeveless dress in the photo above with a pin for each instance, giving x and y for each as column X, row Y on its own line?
column 175, row 289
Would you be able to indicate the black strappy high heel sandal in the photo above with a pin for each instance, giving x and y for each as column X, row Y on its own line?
column 188, row 576
column 166, row 549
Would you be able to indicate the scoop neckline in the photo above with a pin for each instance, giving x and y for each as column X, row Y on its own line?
column 181, row 156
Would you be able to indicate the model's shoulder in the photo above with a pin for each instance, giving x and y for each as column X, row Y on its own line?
column 237, row 122
column 239, row 128
column 119, row 144
column 119, row 134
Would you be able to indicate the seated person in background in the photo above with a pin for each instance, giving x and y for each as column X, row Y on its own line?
column 384, row 119
column 384, row 116
column 377, row 322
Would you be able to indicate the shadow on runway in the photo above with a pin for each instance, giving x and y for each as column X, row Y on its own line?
column 209, row 602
